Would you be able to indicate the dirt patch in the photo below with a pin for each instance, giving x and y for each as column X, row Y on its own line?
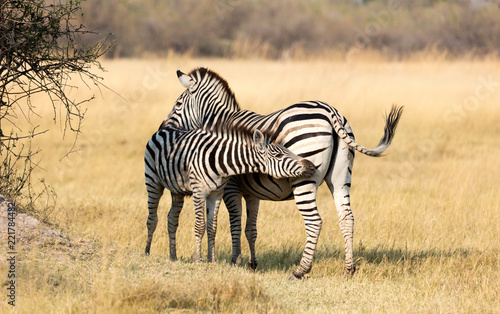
column 30, row 232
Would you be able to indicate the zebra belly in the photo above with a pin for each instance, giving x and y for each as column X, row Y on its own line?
column 186, row 185
column 177, row 186
column 262, row 186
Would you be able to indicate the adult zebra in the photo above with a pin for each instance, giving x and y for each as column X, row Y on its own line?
column 312, row 130
column 199, row 162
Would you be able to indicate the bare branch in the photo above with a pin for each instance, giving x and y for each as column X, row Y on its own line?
column 41, row 49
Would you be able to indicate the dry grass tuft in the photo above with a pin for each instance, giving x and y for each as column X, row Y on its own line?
column 194, row 289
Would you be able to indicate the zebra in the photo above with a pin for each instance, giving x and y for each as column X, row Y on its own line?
column 312, row 130
column 199, row 163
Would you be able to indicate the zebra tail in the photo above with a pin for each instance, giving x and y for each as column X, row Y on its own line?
column 391, row 123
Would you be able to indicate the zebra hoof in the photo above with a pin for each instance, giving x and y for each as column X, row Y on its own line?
column 146, row 251
column 253, row 265
column 349, row 272
column 295, row 276
column 237, row 261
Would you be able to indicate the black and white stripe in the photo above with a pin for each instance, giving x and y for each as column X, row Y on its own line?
column 199, row 163
column 312, row 130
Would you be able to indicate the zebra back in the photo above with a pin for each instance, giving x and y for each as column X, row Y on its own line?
column 208, row 99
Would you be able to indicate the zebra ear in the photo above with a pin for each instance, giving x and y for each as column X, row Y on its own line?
column 185, row 80
column 259, row 140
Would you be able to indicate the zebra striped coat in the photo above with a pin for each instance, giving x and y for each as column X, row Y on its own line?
column 312, row 130
column 200, row 163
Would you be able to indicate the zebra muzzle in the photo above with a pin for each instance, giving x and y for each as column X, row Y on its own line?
column 308, row 168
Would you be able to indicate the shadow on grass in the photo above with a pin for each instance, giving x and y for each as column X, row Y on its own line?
column 394, row 255
column 287, row 258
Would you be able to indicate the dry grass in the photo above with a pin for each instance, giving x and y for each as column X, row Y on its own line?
column 427, row 215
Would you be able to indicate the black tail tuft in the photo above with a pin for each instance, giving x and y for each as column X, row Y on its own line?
column 392, row 120
column 391, row 123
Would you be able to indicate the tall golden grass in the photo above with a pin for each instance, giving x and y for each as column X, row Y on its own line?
column 427, row 218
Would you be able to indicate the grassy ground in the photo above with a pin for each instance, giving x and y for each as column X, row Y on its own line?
column 427, row 217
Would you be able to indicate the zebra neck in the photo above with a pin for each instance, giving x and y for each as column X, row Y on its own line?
column 217, row 108
column 243, row 158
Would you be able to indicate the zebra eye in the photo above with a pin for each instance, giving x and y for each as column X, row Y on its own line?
column 279, row 155
column 178, row 104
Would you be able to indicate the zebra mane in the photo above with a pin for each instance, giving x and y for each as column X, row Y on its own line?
column 226, row 129
column 201, row 72
column 241, row 132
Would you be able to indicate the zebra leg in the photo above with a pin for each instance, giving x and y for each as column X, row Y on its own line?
column 251, row 228
column 199, row 225
column 173, row 222
column 213, row 203
column 155, row 192
column 346, row 223
column 342, row 201
column 305, row 198
column 232, row 199
column 338, row 180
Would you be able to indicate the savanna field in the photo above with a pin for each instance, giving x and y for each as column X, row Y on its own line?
column 427, row 215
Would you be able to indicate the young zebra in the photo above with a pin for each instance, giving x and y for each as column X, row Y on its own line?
column 200, row 162
column 312, row 130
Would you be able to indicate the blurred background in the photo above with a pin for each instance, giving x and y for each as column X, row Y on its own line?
column 292, row 28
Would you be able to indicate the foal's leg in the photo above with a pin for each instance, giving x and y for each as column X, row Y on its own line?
column 251, row 228
column 155, row 191
column 173, row 222
column 199, row 225
column 213, row 203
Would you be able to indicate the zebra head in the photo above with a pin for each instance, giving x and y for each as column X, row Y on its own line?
column 278, row 161
column 207, row 96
